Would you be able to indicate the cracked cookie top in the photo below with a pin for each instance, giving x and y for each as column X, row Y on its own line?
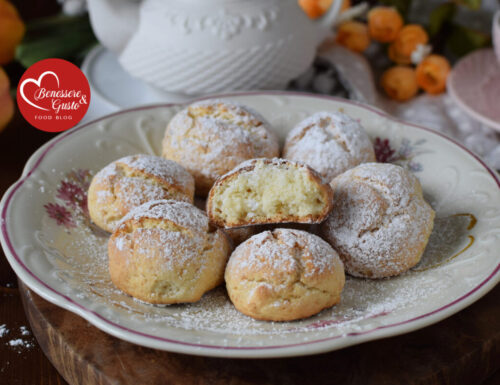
column 381, row 223
column 283, row 275
column 211, row 137
column 166, row 252
column 133, row 180
column 330, row 143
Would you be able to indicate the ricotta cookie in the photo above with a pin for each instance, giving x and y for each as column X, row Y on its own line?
column 165, row 252
column 210, row 138
column 284, row 275
column 330, row 143
column 261, row 191
column 381, row 223
column 131, row 181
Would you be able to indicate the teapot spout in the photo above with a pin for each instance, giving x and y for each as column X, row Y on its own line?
column 114, row 21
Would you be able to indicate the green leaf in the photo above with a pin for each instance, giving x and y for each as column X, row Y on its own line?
column 440, row 16
column 472, row 4
column 463, row 40
column 60, row 36
column 403, row 6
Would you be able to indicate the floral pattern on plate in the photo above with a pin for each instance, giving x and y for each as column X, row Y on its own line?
column 67, row 264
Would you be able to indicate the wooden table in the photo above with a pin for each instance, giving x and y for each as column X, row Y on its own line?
column 464, row 349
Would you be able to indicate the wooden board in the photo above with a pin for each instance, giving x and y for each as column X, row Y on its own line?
column 464, row 349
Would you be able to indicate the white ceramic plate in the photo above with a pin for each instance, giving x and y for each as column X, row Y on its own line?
column 57, row 252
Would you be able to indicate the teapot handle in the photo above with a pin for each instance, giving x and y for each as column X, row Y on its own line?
column 327, row 20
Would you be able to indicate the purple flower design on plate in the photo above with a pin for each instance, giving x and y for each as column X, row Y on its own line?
column 81, row 177
column 383, row 151
column 71, row 201
column 60, row 214
column 403, row 156
column 72, row 194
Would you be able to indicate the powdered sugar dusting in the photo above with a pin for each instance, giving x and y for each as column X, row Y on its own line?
column 144, row 167
column 379, row 213
column 174, row 251
column 182, row 213
column 3, row 330
column 81, row 259
column 134, row 191
column 218, row 140
column 167, row 170
column 132, row 181
column 330, row 143
column 284, row 250
column 16, row 343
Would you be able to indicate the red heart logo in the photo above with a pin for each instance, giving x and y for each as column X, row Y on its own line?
column 38, row 83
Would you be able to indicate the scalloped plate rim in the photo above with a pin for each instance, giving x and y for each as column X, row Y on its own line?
column 303, row 348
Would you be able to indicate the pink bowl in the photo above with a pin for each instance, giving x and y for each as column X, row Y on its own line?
column 474, row 84
column 496, row 34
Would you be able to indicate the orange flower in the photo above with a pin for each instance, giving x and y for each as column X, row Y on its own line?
column 432, row 73
column 400, row 83
column 315, row 8
column 11, row 31
column 353, row 35
column 346, row 4
column 6, row 102
column 406, row 42
column 384, row 24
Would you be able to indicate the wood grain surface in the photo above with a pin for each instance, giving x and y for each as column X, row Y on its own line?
column 462, row 350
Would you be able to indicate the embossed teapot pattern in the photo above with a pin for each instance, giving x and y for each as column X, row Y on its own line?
column 195, row 47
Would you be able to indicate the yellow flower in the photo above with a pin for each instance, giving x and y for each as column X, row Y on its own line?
column 11, row 31
column 400, row 83
column 6, row 102
column 353, row 35
column 406, row 42
column 384, row 24
column 432, row 73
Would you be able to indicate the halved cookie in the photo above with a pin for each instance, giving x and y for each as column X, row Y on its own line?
column 262, row 191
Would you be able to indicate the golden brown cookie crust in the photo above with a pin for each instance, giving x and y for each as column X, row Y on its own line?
column 210, row 138
column 133, row 180
column 165, row 252
column 284, row 275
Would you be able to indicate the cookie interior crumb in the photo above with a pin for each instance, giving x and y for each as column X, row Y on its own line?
column 268, row 192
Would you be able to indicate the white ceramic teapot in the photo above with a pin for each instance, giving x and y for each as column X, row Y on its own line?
column 196, row 47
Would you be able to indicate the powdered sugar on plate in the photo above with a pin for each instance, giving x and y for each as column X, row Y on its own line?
column 80, row 260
